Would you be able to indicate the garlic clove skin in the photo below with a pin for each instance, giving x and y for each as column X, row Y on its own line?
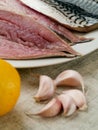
column 69, row 78
column 78, row 97
column 46, row 89
column 68, row 104
column 72, row 109
column 51, row 109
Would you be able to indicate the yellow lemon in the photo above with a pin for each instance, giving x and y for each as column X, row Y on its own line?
column 9, row 87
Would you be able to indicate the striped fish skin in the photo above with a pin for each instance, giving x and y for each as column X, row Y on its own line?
column 90, row 6
column 76, row 16
column 66, row 13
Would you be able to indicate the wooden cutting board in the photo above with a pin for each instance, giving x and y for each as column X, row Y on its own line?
column 17, row 119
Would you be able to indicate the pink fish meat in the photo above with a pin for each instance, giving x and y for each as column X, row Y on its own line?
column 24, row 30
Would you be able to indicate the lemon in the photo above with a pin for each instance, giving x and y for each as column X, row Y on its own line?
column 9, row 87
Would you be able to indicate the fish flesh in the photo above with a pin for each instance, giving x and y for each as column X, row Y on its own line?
column 13, row 50
column 67, row 13
column 23, row 34
column 44, row 20
column 25, row 30
column 55, row 26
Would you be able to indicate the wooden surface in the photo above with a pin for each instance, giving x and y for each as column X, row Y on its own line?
column 88, row 120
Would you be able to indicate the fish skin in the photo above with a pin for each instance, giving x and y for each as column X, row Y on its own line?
column 73, row 8
column 55, row 26
column 66, row 13
column 90, row 6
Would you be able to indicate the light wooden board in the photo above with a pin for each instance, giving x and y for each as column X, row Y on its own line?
column 88, row 120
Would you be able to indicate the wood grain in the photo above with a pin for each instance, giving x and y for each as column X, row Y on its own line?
column 17, row 118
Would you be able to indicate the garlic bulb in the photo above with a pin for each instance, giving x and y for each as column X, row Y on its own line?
column 51, row 109
column 78, row 97
column 69, row 78
column 46, row 88
column 68, row 104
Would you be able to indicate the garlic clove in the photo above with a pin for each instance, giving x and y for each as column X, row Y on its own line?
column 46, row 88
column 51, row 109
column 69, row 78
column 68, row 104
column 72, row 109
column 78, row 97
